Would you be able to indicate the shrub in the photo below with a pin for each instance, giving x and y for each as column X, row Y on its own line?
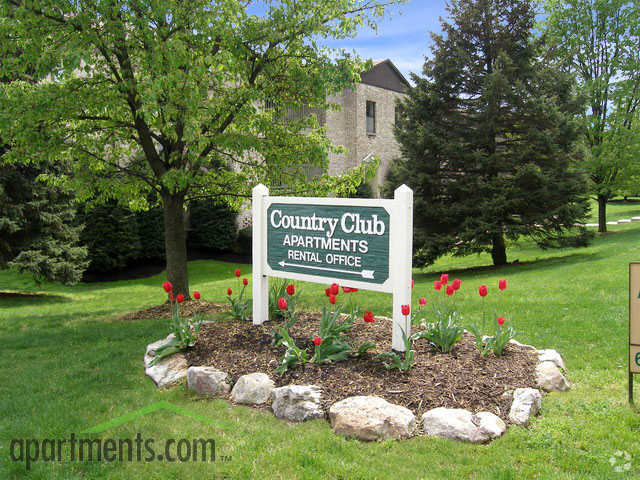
column 111, row 237
column 150, row 227
column 212, row 226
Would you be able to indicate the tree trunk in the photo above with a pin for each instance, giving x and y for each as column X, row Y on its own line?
column 602, row 213
column 499, row 250
column 175, row 242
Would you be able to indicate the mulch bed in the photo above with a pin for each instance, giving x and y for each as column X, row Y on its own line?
column 188, row 308
column 460, row 379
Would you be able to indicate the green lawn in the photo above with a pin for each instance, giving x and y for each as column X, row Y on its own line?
column 616, row 210
column 67, row 363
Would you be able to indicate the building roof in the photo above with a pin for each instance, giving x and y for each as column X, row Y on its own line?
column 385, row 74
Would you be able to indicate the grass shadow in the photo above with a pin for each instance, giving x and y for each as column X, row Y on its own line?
column 516, row 264
column 22, row 298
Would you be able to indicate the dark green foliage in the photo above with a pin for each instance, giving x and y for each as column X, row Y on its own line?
column 38, row 230
column 111, row 235
column 118, row 237
column 364, row 190
column 488, row 137
column 213, row 226
column 150, row 235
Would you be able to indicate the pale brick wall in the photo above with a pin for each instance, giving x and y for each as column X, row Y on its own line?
column 347, row 127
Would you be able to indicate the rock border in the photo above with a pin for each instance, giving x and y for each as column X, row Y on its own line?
column 366, row 418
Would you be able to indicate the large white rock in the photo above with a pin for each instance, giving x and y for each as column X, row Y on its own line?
column 371, row 418
column 460, row 424
column 167, row 371
column 549, row 377
column 490, row 424
column 551, row 355
column 297, row 403
column 526, row 402
column 517, row 343
column 252, row 389
column 208, row 381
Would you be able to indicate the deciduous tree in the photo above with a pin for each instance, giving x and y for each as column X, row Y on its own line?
column 599, row 41
column 167, row 97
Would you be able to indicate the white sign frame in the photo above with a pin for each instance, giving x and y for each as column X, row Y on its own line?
column 400, row 211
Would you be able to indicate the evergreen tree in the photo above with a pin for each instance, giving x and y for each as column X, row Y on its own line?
column 38, row 232
column 488, row 135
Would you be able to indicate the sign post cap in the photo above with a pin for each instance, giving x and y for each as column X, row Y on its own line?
column 403, row 189
column 260, row 188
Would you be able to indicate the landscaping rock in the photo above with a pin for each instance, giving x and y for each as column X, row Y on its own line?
column 169, row 370
column 297, row 403
column 454, row 424
column 550, row 378
column 208, row 381
column 515, row 342
column 371, row 418
column 490, row 424
column 550, row 355
column 252, row 389
column 526, row 402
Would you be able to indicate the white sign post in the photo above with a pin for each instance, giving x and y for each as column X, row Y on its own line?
column 358, row 243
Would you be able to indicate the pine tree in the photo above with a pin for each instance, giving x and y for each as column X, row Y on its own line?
column 488, row 136
column 38, row 232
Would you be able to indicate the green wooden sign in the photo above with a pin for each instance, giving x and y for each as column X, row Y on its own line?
column 332, row 241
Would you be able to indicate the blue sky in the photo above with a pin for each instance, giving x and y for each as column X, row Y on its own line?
column 403, row 36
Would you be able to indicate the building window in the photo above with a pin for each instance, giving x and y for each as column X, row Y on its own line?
column 371, row 117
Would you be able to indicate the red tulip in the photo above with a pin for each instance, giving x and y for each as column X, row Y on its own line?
column 180, row 298
column 444, row 278
column 437, row 285
column 167, row 286
column 229, row 291
column 245, row 282
column 349, row 289
column 406, row 310
column 332, row 299
column 483, row 291
column 422, row 301
column 171, row 297
column 317, row 341
column 237, row 272
column 456, row 284
column 502, row 284
column 501, row 321
column 368, row 316
column 327, row 291
column 282, row 303
column 450, row 290
column 196, row 295
column 291, row 289
column 335, row 289
column 412, row 283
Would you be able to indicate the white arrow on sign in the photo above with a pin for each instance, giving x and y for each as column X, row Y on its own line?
column 363, row 273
